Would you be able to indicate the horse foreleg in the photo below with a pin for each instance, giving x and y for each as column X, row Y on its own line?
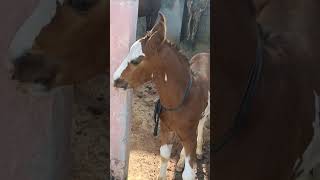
column 165, row 151
column 189, row 144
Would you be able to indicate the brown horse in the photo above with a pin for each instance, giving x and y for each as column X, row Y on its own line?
column 68, row 50
column 183, row 90
column 275, row 132
column 147, row 8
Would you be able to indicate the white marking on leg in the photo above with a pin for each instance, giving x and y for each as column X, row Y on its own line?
column 205, row 116
column 165, row 77
column 188, row 173
column 180, row 163
column 134, row 53
column 152, row 75
column 165, row 152
column 200, row 138
column 206, row 112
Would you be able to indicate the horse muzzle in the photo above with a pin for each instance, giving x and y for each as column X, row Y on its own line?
column 120, row 83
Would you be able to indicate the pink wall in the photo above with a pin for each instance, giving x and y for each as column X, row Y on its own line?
column 34, row 131
column 123, row 22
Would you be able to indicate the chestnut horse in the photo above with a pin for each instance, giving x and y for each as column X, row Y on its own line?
column 275, row 130
column 69, row 50
column 147, row 8
column 184, row 91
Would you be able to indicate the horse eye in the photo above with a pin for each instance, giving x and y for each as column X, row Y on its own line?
column 137, row 60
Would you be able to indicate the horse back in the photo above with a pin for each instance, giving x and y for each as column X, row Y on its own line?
column 200, row 66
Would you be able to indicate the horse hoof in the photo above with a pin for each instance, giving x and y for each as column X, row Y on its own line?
column 199, row 156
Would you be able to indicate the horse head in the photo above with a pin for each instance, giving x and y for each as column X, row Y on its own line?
column 138, row 66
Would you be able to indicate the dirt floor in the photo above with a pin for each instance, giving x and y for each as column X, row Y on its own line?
column 144, row 159
column 89, row 132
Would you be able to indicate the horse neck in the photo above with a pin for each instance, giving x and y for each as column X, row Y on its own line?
column 178, row 74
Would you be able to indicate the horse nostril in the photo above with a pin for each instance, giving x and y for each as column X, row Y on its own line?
column 116, row 82
column 119, row 83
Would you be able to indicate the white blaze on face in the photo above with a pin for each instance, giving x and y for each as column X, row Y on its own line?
column 135, row 52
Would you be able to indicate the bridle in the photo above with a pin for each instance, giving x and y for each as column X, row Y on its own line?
column 240, row 120
column 160, row 108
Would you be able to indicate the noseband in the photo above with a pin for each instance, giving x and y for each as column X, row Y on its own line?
column 160, row 108
column 255, row 72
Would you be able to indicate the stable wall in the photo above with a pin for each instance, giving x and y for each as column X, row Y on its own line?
column 34, row 130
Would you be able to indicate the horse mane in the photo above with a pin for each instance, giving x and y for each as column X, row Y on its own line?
column 182, row 58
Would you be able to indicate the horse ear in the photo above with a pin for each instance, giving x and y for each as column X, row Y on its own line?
column 158, row 33
column 160, row 25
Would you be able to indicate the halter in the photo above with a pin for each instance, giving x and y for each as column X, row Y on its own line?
column 160, row 108
column 254, row 76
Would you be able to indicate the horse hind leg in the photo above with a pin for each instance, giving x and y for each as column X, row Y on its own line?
column 205, row 117
column 199, row 151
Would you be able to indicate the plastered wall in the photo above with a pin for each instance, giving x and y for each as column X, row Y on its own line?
column 34, row 130
column 123, row 24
